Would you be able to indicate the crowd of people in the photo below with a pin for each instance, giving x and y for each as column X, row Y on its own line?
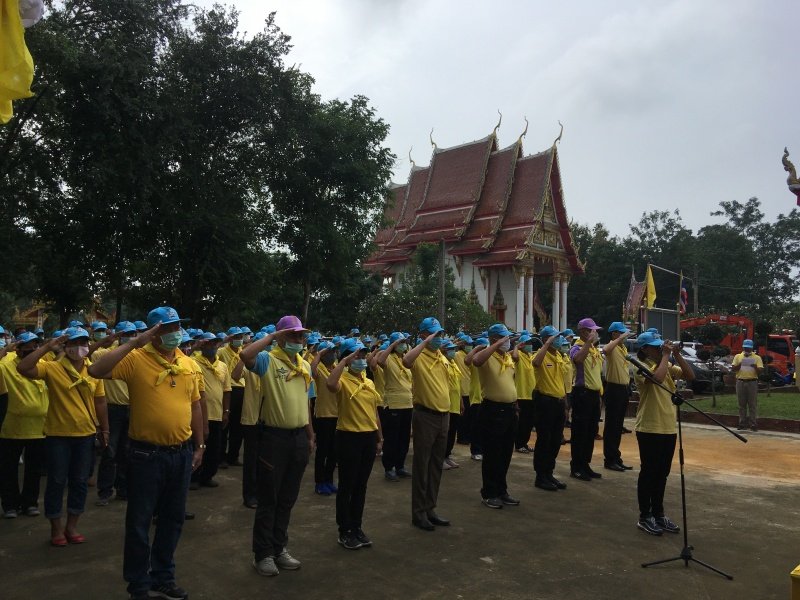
column 163, row 408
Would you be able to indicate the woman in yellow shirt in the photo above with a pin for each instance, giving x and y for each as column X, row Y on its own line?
column 450, row 350
column 325, row 416
column 358, row 438
column 525, row 380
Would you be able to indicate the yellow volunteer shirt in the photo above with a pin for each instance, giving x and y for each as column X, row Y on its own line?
column 656, row 412
column 592, row 366
column 284, row 386
column 116, row 391
column 357, row 400
column 749, row 365
column 464, row 371
column 9, row 357
column 551, row 375
column 617, row 366
column 49, row 355
column 161, row 395
column 525, row 377
column 71, row 409
column 398, row 382
column 430, row 377
column 475, row 391
column 455, row 388
column 326, row 404
column 251, row 401
column 27, row 403
column 230, row 356
column 497, row 378
column 569, row 374
column 379, row 379
column 217, row 379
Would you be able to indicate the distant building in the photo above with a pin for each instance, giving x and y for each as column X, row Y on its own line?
column 502, row 218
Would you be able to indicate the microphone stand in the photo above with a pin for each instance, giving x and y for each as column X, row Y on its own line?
column 686, row 554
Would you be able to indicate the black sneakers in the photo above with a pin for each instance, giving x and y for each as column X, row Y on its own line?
column 362, row 538
column 667, row 525
column 492, row 502
column 545, row 484
column 349, row 541
column 649, row 525
column 509, row 500
column 169, row 591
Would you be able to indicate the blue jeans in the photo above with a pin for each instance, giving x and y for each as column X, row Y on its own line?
column 111, row 472
column 69, row 464
column 158, row 480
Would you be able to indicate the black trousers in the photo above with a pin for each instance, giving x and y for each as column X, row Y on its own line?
column 474, row 429
column 325, row 457
column 10, row 451
column 498, row 428
column 249, row 471
column 455, row 419
column 234, row 431
column 548, row 418
column 396, row 426
column 585, row 420
column 282, row 460
column 525, row 425
column 655, row 451
column 464, row 422
column 355, row 453
column 616, row 400
column 208, row 468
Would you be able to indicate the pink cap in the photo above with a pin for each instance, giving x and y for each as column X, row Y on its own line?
column 588, row 323
column 290, row 323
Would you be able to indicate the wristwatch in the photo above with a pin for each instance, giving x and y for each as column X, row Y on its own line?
column 202, row 446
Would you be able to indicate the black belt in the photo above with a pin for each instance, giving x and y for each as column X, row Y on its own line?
column 430, row 410
column 283, row 430
column 187, row 445
column 747, row 380
column 497, row 404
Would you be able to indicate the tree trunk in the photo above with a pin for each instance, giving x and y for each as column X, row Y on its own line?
column 118, row 313
column 306, row 299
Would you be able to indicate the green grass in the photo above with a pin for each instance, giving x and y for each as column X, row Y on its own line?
column 781, row 405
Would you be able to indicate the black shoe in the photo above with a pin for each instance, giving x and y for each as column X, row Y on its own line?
column 509, row 500
column 650, row 526
column 423, row 524
column 250, row 503
column 492, row 503
column 626, row 467
column 559, row 484
column 211, row 483
column 349, row 541
column 188, row 516
column 667, row 525
column 403, row 474
column 170, row 591
column 545, row 484
column 437, row 520
column 222, row 465
column 580, row 475
column 614, row 467
column 362, row 538
column 593, row 474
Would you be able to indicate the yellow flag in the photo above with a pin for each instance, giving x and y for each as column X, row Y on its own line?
column 16, row 64
column 651, row 288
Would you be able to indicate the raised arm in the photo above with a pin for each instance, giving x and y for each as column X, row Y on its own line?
column 410, row 356
column 27, row 366
column 581, row 354
column 106, row 363
column 538, row 358
column 333, row 383
column 249, row 354
column 480, row 357
column 609, row 347
column 382, row 356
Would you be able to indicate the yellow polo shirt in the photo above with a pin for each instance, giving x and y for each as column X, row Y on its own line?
column 398, row 382
column 251, row 402
column 116, row 391
column 464, row 371
column 551, row 374
column 230, row 356
column 592, row 366
column 497, row 378
column 475, row 391
column 656, row 412
column 357, row 401
column 525, row 377
column 430, row 376
column 325, row 406
column 617, row 366
column 71, row 411
column 455, row 388
column 27, row 403
column 748, row 371
column 161, row 395
column 379, row 379
column 284, row 386
column 217, row 379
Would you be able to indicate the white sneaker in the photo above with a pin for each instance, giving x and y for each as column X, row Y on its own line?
column 453, row 464
column 266, row 567
column 477, row 457
column 446, row 465
column 286, row 561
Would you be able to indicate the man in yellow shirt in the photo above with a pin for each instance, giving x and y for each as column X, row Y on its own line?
column 498, row 416
column 525, row 380
column 475, row 400
column 464, row 344
column 430, row 422
column 232, row 432
column 325, row 417
column 166, row 444
column 587, row 387
column 397, row 399
column 616, row 394
column 286, row 439
column 548, row 409
column 456, row 405
column 24, row 408
column 748, row 366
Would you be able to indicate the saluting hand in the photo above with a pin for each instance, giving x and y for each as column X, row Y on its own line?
column 141, row 340
column 428, row 339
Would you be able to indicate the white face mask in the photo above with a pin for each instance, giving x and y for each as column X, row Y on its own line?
column 505, row 346
column 77, row 352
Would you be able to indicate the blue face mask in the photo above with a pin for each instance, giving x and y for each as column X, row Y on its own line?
column 99, row 335
column 2, row 343
column 401, row 348
column 170, row 341
column 451, row 354
column 527, row 348
column 467, row 349
column 358, row 365
column 436, row 343
column 237, row 343
column 293, row 349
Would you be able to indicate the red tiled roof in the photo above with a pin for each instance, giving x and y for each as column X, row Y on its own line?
column 391, row 213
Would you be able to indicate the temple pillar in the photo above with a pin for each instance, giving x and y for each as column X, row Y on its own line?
column 529, row 301
column 564, row 286
column 519, row 308
column 555, row 318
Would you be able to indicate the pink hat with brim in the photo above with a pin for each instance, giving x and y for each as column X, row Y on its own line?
column 290, row 323
column 588, row 323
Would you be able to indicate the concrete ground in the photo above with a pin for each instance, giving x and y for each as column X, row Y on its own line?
column 582, row 543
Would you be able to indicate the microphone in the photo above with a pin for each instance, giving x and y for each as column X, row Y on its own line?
column 638, row 364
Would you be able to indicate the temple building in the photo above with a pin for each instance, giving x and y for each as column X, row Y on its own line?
column 502, row 219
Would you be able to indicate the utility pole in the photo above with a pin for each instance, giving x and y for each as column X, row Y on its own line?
column 695, row 285
column 442, row 264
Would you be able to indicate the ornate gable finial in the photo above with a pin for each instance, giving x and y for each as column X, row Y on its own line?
column 524, row 133
column 496, row 127
column 789, row 168
column 560, row 133
column 411, row 160
column 435, row 147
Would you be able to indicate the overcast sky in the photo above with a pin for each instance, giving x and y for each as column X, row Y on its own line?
column 665, row 103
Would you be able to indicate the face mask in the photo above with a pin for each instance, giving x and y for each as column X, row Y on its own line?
column 467, row 348
column 527, row 348
column 237, row 343
column 451, row 354
column 358, row 365
column 99, row 335
column 170, row 341
column 401, row 348
column 292, row 349
column 328, row 358
column 436, row 343
column 78, row 352
column 125, row 340
column 2, row 343
column 505, row 346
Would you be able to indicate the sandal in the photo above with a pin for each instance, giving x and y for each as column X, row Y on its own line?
column 75, row 539
column 58, row 542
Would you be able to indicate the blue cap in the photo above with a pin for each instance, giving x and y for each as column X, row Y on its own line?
column 355, row 331
column 368, row 340
column 25, row 337
column 164, row 314
column 568, row 332
column 76, row 324
column 449, row 345
column 39, row 331
column 430, row 325
column 525, row 337
column 58, row 333
column 324, row 346
column 617, row 326
column 655, row 331
column 2, row 330
column 561, row 341
column 499, row 330
column 198, row 333
column 260, row 335
column 337, row 340
column 269, row 328
column 246, row 329
column 548, row 331
column 235, row 331
column 125, row 327
column 76, row 333
column 747, row 344
column 648, row 338
column 383, row 346
column 99, row 325
column 206, row 335
column 221, row 335
column 397, row 335
column 383, row 337
column 482, row 341
column 351, row 345
column 185, row 338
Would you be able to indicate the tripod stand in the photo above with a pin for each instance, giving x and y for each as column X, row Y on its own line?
column 686, row 554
